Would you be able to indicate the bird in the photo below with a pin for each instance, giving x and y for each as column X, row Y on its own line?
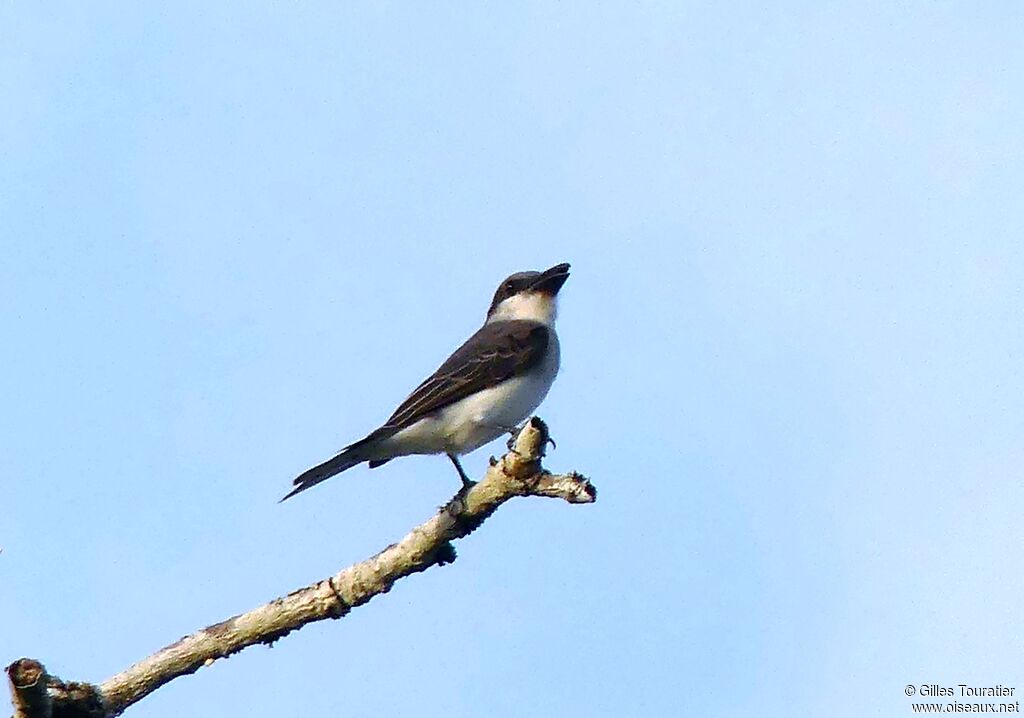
column 490, row 384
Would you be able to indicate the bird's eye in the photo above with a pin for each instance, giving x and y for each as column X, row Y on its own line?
column 509, row 287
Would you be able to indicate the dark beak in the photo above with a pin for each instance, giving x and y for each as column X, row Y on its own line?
column 551, row 280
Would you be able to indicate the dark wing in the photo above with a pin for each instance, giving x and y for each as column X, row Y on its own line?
column 498, row 351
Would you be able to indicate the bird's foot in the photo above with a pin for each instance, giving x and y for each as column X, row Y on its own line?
column 514, row 434
column 463, row 492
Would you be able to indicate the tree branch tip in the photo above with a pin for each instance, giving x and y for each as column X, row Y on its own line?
column 26, row 673
column 37, row 694
column 539, row 424
column 531, row 439
column 572, row 487
column 588, row 488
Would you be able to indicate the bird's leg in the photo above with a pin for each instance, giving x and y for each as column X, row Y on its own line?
column 466, row 482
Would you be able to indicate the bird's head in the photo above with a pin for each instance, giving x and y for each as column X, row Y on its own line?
column 529, row 295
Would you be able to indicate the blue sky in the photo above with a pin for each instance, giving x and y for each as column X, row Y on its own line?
column 233, row 239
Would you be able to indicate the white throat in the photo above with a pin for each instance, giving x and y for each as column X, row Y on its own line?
column 533, row 306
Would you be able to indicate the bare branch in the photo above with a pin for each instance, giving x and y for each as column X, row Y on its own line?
column 518, row 473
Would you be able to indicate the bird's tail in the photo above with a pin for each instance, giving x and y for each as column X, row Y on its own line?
column 350, row 456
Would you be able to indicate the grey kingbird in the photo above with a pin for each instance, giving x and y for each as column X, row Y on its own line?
column 485, row 389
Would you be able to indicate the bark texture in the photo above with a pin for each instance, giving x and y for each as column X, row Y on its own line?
column 36, row 694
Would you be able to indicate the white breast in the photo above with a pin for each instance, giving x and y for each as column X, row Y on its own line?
column 476, row 420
